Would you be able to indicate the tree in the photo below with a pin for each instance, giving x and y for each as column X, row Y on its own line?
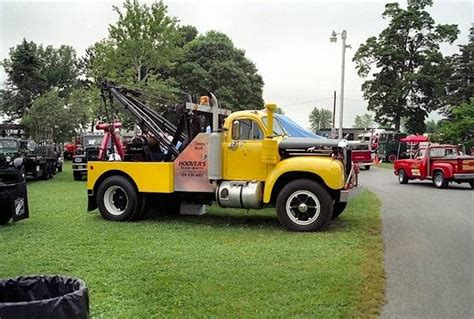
column 212, row 63
column 49, row 112
column 33, row 70
column 460, row 84
column 59, row 67
column 408, row 71
column 24, row 82
column 459, row 129
column 85, row 104
column 320, row 118
column 141, row 47
column 431, row 126
column 364, row 121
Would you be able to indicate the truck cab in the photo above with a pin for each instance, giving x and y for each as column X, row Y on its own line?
column 247, row 162
column 442, row 164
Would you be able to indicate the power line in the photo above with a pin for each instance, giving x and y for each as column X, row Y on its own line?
column 307, row 102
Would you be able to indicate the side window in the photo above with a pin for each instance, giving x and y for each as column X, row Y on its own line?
column 249, row 130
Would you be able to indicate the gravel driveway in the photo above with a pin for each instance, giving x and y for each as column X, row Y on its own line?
column 428, row 236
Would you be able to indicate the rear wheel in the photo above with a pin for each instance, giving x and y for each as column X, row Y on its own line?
column 439, row 180
column 304, row 205
column 367, row 167
column 472, row 184
column 338, row 209
column 402, row 176
column 117, row 199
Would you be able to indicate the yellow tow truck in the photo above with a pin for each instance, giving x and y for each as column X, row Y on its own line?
column 246, row 162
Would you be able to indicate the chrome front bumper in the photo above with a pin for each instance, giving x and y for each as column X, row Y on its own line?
column 344, row 195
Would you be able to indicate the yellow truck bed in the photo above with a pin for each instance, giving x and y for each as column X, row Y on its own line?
column 149, row 177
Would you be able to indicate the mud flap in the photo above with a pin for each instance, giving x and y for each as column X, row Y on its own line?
column 20, row 202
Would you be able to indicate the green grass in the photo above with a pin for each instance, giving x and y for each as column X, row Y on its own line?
column 386, row 165
column 228, row 263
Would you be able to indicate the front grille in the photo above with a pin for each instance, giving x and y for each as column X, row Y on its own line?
column 92, row 154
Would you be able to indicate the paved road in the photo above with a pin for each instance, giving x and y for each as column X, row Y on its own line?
column 429, row 244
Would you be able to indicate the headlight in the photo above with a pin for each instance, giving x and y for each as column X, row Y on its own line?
column 8, row 159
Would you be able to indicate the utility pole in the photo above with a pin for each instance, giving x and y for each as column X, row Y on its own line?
column 333, row 127
column 343, row 65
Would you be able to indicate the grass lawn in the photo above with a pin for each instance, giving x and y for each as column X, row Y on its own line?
column 386, row 165
column 228, row 263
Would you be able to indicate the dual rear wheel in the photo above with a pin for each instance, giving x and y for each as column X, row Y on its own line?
column 119, row 200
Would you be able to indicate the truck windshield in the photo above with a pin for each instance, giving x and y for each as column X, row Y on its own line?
column 277, row 128
column 8, row 145
column 93, row 141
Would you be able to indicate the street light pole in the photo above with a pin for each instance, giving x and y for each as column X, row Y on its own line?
column 343, row 66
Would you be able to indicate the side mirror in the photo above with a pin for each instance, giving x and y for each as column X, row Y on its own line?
column 236, row 130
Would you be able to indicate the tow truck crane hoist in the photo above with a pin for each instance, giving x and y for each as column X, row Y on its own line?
column 244, row 162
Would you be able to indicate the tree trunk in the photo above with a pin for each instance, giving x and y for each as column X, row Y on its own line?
column 397, row 123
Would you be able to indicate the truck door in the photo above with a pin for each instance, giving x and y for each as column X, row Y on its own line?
column 242, row 151
column 418, row 166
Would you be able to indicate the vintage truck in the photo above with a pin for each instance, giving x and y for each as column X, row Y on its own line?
column 87, row 149
column 40, row 161
column 442, row 164
column 244, row 163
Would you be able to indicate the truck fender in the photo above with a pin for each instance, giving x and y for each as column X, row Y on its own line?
column 446, row 168
column 331, row 171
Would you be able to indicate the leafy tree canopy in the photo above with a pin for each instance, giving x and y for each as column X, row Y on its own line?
column 212, row 63
column 460, row 128
column 408, row 71
column 141, row 48
column 31, row 71
column 461, row 81
column 431, row 126
column 320, row 118
column 49, row 111
column 364, row 121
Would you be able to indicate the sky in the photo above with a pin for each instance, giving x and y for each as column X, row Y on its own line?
column 287, row 40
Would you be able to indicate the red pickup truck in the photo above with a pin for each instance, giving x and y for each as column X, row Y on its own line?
column 361, row 154
column 442, row 164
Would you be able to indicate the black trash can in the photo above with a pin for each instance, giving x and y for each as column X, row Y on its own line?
column 52, row 297
column 13, row 195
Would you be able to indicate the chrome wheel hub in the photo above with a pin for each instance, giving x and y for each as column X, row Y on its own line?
column 115, row 200
column 303, row 207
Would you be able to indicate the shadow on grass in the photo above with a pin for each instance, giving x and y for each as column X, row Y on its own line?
column 232, row 220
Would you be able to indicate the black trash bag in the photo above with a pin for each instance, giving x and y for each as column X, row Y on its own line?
column 38, row 297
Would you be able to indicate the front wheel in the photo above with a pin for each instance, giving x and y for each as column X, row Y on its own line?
column 117, row 199
column 402, row 176
column 304, row 205
column 439, row 180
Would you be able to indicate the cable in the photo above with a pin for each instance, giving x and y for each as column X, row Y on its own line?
column 307, row 102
